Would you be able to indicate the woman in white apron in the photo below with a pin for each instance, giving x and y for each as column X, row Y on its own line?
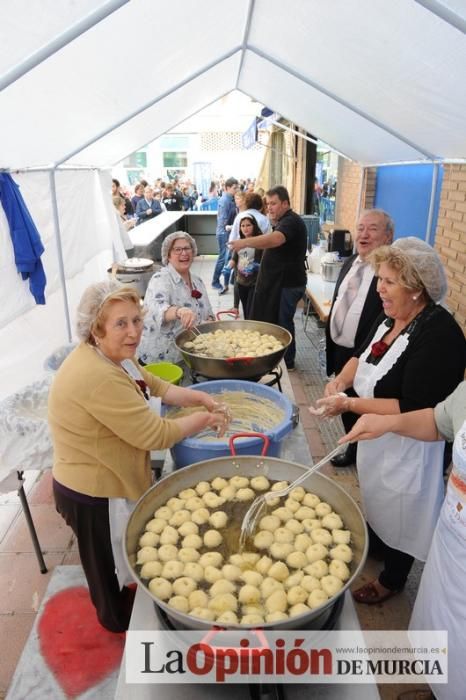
column 401, row 368
column 103, row 425
column 441, row 600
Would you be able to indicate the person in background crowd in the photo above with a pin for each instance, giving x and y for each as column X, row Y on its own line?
column 355, row 305
column 413, row 358
column 250, row 203
column 144, row 183
column 104, row 422
column 440, row 602
column 175, row 299
column 188, row 202
column 116, row 191
column 225, row 217
column 138, row 195
column 148, row 207
column 246, row 262
column 171, row 200
column 282, row 276
column 124, row 224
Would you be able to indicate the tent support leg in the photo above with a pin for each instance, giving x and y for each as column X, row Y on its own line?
column 30, row 524
column 56, row 223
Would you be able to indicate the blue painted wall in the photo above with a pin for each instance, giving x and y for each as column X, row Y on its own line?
column 404, row 192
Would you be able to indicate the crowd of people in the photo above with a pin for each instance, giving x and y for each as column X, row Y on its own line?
column 396, row 360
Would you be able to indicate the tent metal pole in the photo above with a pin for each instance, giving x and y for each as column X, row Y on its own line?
column 444, row 13
column 151, row 103
column 244, row 44
column 56, row 223
column 59, row 42
column 430, row 235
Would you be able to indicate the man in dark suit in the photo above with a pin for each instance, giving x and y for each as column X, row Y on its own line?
column 355, row 306
column 147, row 207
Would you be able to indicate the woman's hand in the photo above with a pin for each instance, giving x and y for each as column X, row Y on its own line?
column 368, row 427
column 186, row 317
column 334, row 386
column 330, row 406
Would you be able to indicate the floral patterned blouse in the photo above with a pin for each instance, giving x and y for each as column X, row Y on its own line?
column 167, row 288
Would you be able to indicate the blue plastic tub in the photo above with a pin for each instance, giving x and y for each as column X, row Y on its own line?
column 191, row 450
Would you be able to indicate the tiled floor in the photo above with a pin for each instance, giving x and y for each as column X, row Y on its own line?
column 23, row 585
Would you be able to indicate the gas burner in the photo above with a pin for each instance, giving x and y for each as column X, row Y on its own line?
column 275, row 377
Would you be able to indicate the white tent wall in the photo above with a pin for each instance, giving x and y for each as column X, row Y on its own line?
column 90, row 237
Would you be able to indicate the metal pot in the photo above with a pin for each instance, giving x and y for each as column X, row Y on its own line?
column 274, row 469
column 135, row 272
column 234, row 367
column 331, row 270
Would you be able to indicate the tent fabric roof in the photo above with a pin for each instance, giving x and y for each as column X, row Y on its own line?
column 379, row 81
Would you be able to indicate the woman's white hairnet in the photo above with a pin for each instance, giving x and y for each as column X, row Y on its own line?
column 169, row 241
column 427, row 264
column 90, row 304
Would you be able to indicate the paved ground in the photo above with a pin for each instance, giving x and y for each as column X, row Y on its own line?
column 23, row 585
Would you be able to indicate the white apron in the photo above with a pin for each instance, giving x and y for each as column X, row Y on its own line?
column 400, row 478
column 119, row 509
column 441, row 600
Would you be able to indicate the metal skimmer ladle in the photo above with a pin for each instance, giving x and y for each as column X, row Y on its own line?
column 258, row 505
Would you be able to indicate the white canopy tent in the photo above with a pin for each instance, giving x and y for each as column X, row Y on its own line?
column 85, row 83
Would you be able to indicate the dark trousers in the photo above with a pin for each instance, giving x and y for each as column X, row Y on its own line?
column 222, row 240
column 90, row 524
column 289, row 298
column 397, row 565
column 245, row 294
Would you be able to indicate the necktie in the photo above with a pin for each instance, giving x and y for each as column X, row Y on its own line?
column 346, row 301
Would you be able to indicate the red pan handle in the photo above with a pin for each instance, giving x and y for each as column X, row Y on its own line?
column 229, row 312
column 265, row 446
column 232, row 360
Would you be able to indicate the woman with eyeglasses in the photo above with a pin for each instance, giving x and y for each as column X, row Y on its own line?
column 175, row 299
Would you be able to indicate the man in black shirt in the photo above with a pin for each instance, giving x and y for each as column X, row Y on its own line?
column 282, row 276
column 172, row 200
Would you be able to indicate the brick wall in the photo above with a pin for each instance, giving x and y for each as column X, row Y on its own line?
column 349, row 191
column 450, row 237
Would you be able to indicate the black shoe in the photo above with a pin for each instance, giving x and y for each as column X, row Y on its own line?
column 346, row 459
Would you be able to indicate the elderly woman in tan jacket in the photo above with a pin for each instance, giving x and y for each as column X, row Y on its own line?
column 104, row 422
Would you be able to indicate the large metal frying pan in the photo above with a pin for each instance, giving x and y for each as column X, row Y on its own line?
column 274, row 469
column 235, row 367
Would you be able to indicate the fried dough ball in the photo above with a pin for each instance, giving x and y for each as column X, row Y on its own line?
column 204, row 613
column 169, row 535
column 218, row 483
column 338, row 568
column 244, row 495
column 310, row 500
column 321, row 536
column 161, row 588
column 165, row 513
column 212, row 538
column 297, row 560
column 279, row 570
column 202, row 487
column 269, row 585
column 315, row 552
column 200, row 516
column 253, row 578
column 228, row 618
column 156, row 525
column 223, row 602
column 194, row 541
column 211, row 559
column 167, row 552
column 295, row 526
column 184, row 586
column 322, row 509
column 179, row 517
column 283, row 535
column 198, row 599
column 193, row 570
column 298, row 609
column 294, row 579
column 304, row 513
column 276, row 602
column 276, row 616
column 263, row 565
column 318, row 569
column 302, row 542
column 283, row 513
column 263, row 539
column 188, row 554
column 260, row 483
column 292, row 505
column 172, row 569
column 186, row 493
column 342, row 552
column 151, row 569
column 279, row 486
column 194, row 503
column 231, row 572
column 218, row 519
column 310, row 583
column 149, row 539
column 297, row 594
column 211, row 500
column 212, row 574
column 146, row 554
column 179, row 602
column 222, row 586
column 188, row 528
column 332, row 521
column 269, row 522
column 317, row 597
column 281, row 550
column 310, row 524
column 249, row 594
column 250, row 558
column 339, row 536
column 228, row 493
column 331, row 584
column 175, row 504
column 239, row 482
column 253, row 619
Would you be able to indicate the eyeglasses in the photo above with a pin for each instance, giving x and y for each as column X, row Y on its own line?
column 185, row 249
